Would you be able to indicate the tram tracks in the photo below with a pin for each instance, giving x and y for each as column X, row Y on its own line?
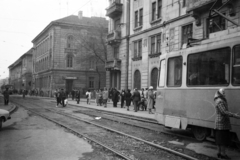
column 178, row 155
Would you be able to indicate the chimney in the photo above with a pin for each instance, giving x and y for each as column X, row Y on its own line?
column 80, row 14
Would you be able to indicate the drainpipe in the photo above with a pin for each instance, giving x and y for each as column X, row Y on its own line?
column 128, row 34
column 179, row 10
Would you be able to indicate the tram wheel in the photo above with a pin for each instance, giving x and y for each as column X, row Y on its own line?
column 200, row 133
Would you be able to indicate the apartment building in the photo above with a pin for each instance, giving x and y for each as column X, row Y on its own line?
column 20, row 72
column 63, row 55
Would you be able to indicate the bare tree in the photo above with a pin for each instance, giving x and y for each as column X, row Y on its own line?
column 92, row 45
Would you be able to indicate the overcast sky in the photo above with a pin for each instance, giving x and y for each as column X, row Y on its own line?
column 22, row 20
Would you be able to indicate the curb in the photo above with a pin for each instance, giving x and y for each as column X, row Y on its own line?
column 13, row 109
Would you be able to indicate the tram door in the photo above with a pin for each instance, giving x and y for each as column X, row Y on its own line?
column 161, row 91
column 69, row 85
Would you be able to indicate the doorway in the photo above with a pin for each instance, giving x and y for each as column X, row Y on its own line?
column 69, row 85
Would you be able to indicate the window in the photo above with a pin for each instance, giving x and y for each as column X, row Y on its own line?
column 209, row 68
column 159, row 12
column 171, row 40
column 117, row 24
column 137, row 79
column 236, row 66
column 156, row 44
column 174, row 77
column 69, row 61
column 138, row 22
column 92, row 64
column 184, row 3
column 138, row 48
column 116, row 52
column 153, row 45
column 186, row 33
column 159, row 43
column 216, row 24
column 140, row 17
column 91, row 82
column 70, row 42
column 154, row 76
column 153, row 11
column 136, row 19
column 162, row 74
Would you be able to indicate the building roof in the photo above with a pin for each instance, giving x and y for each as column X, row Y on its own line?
column 19, row 60
column 73, row 20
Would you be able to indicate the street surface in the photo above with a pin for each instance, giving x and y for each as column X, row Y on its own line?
column 29, row 137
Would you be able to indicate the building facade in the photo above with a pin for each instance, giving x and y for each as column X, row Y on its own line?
column 140, row 31
column 61, row 61
column 20, row 72
column 118, row 40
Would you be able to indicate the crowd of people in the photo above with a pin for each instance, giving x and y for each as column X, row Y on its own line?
column 143, row 99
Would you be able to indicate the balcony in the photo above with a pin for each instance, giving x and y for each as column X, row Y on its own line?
column 115, row 9
column 197, row 5
column 113, row 65
column 114, row 37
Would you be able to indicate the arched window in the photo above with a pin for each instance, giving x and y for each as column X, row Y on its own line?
column 137, row 79
column 154, row 76
column 70, row 41
column 69, row 61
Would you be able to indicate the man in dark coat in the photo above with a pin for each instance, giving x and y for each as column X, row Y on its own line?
column 77, row 95
column 115, row 97
column 136, row 97
column 62, row 97
column 6, row 96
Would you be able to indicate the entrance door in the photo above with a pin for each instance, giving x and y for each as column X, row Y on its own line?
column 69, row 85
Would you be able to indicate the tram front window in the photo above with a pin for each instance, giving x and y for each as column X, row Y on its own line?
column 209, row 68
column 236, row 66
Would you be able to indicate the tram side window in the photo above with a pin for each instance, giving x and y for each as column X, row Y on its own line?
column 161, row 74
column 209, row 68
column 174, row 70
column 236, row 66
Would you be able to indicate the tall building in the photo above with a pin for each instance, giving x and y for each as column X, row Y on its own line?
column 140, row 31
column 20, row 72
column 65, row 55
column 118, row 40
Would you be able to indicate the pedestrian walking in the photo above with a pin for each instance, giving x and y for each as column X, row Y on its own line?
column 115, row 97
column 128, row 98
column 24, row 93
column 222, row 123
column 88, row 96
column 57, row 95
column 62, row 97
column 122, row 98
column 97, row 97
column 77, row 95
column 136, row 98
column 6, row 96
column 73, row 94
column 105, row 97
column 150, row 98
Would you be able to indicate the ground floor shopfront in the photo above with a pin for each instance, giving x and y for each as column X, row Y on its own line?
column 49, row 81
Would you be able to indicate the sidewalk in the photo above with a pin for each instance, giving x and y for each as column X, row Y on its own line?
column 10, row 107
column 110, row 108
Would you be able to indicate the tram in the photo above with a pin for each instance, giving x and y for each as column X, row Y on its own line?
column 188, row 80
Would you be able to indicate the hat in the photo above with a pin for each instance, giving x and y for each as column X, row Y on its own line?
column 151, row 87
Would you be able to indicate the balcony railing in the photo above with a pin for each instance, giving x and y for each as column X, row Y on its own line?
column 199, row 4
column 113, row 65
column 114, row 37
column 115, row 9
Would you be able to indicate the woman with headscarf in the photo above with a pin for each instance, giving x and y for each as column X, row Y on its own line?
column 222, row 123
column 150, row 99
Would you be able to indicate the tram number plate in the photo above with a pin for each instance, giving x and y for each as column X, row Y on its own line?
column 173, row 122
